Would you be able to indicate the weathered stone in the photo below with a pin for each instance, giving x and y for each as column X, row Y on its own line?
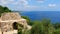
column 8, row 19
column 10, row 16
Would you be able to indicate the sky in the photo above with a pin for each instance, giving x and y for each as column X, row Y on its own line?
column 32, row 5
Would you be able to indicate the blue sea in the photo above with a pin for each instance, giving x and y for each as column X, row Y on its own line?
column 54, row 16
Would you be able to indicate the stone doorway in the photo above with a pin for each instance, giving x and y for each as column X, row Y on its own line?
column 15, row 26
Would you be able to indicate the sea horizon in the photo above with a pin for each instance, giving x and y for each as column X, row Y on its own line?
column 39, row 15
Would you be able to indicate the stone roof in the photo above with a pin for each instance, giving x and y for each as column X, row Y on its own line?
column 10, row 16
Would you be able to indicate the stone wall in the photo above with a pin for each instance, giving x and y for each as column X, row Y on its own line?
column 7, row 20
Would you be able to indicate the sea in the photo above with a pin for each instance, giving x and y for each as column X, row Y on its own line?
column 54, row 16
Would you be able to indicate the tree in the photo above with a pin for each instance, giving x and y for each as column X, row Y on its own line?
column 57, row 28
column 47, row 26
column 57, row 31
column 42, row 27
column 56, row 25
column 36, row 28
column 4, row 9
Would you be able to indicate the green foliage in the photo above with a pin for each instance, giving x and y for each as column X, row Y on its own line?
column 42, row 27
column 20, row 29
column 57, row 28
column 36, row 28
column 58, row 31
column 57, row 25
column 28, row 20
column 4, row 9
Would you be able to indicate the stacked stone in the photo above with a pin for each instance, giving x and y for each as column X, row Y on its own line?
column 7, row 20
column 11, row 16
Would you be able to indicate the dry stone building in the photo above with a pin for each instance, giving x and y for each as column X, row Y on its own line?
column 8, row 21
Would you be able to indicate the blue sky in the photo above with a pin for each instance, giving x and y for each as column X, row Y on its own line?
column 32, row 5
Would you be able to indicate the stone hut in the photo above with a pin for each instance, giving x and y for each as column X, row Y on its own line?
column 8, row 21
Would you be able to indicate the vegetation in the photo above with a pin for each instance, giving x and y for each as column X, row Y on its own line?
column 4, row 9
column 44, row 27
column 28, row 20
column 38, row 27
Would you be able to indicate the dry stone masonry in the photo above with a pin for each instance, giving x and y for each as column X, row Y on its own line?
column 8, row 19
